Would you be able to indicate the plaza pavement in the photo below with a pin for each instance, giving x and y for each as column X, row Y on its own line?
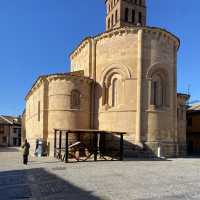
column 49, row 179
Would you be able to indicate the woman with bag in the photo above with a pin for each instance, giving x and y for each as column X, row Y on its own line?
column 25, row 147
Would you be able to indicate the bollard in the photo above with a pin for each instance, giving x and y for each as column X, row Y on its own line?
column 159, row 151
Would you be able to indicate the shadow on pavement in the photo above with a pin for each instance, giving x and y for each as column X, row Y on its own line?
column 43, row 162
column 9, row 149
column 147, row 159
column 191, row 157
column 39, row 184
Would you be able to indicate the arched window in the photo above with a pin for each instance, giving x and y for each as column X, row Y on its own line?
column 115, row 91
column 126, row 14
column 75, row 99
column 104, row 94
column 133, row 16
column 140, row 17
column 113, row 85
column 116, row 16
column 109, row 23
column 159, row 93
column 39, row 110
column 112, row 20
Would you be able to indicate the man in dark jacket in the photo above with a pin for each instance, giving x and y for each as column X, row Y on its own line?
column 26, row 147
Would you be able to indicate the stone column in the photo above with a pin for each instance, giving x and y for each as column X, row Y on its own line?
column 175, row 102
column 139, row 88
column 45, row 110
column 93, row 89
column 93, row 62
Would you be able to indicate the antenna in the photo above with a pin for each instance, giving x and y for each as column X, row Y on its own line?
column 188, row 92
column 188, row 89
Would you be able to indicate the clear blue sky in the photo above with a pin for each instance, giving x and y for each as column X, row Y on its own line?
column 36, row 37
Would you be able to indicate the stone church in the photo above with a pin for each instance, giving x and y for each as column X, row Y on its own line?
column 124, row 79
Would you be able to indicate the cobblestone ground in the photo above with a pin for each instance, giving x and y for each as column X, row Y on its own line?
column 49, row 179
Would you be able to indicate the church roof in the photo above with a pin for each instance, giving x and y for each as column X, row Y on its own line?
column 128, row 28
column 76, row 74
column 183, row 95
column 195, row 107
column 10, row 120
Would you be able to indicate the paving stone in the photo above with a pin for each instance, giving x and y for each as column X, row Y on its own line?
column 52, row 188
column 15, row 192
column 12, row 180
column 47, row 179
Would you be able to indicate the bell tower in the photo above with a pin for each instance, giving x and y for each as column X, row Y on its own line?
column 125, row 13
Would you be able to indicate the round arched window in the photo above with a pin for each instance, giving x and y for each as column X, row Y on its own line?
column 75, row 99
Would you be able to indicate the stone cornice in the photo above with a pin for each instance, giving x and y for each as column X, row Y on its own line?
column 58, row 76
column 155, row 31
column 81, row 46
column 68, row 77
column 183, row 96
column 36, row 85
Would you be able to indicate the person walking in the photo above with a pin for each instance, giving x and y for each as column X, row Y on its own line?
column 26, row 147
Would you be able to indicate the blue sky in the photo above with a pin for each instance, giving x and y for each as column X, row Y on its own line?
column 37, row 36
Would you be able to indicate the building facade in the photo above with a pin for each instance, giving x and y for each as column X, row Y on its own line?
column 193, row 130
column 182, row 106
column 10, row 131
column 121, row 80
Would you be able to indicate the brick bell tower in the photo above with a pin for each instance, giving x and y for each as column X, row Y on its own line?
column 125, row 13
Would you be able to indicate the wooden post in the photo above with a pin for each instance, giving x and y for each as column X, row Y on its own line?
column 121, row 147
column 95, row 146
column 79, row 137
column 66, row 147
column 55, row 142
column 103, row 143
column 77, row 152
column 60, row 144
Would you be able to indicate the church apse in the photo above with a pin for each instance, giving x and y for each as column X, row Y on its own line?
column 133, row 68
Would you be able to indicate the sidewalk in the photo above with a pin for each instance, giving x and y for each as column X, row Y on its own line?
column 49, row 179
column 37, row 180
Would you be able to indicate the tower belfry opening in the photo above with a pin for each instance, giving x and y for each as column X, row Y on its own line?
column 125, row 13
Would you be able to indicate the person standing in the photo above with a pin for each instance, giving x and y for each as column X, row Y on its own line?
column 26, row 147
